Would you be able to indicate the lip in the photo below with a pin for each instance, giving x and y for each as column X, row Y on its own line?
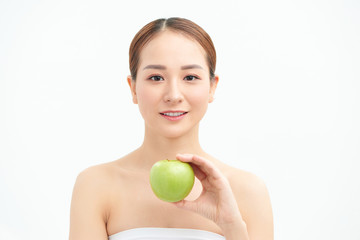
column 174, row 118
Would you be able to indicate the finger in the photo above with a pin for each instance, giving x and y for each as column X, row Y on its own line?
column 185, row 157
column 203, row 164
column 198, row 173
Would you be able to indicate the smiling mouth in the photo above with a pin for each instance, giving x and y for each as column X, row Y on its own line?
column 173, row 114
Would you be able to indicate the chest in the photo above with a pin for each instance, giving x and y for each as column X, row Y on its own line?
column 135, row 205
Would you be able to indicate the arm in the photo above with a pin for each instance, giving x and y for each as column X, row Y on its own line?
column 87, row 215
column 255, row 207
column 220, row 202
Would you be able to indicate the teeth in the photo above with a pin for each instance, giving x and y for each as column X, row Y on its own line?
column 174, row 114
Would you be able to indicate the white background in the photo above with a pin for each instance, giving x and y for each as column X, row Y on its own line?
column 287, row 106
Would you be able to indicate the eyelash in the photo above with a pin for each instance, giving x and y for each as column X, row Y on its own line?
column 157, row 76
column 195, row 77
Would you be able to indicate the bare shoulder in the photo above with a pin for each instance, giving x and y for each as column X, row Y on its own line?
column 93, row 180
column 94, row 185
column 253, row 201
column 89, row 204
column 244, row 182
column 95, row 175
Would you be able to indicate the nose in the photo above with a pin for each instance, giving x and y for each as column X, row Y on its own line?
column 173, row 93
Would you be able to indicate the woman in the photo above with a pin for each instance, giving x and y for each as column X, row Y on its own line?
column 172, row 64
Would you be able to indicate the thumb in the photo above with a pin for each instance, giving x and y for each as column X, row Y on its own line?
column 196, row 207
column 186, row 205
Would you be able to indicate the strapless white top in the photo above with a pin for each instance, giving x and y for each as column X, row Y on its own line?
column 165, row 234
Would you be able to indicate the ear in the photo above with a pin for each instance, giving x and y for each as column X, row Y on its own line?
column 132, row 85
column 213, row 85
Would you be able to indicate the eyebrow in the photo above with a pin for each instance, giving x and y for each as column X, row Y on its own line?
column 162, row 67
column 191, row 66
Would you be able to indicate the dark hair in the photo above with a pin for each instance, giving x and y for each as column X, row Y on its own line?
column 180, row 25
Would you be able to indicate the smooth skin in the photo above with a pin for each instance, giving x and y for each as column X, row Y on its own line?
column 116, row 196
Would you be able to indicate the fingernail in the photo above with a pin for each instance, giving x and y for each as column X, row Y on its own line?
column 185, row 155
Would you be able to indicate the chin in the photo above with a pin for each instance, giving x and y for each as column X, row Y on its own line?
column 174, row 132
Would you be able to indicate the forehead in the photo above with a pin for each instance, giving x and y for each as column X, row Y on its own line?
column 171, row 48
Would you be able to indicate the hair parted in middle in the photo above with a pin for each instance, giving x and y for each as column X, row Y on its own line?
column 179, row 25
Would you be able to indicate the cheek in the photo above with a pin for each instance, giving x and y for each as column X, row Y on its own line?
column 200, row 97
column 143, row 94
column 146, row 97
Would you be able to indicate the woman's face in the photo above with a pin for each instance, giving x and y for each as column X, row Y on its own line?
column 173, row 86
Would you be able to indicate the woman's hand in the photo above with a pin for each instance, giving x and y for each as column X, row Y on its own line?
column 217, row 201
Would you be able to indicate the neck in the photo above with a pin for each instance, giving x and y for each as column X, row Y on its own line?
column 155, row 147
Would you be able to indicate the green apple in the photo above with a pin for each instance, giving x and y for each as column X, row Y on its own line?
column 171, row 180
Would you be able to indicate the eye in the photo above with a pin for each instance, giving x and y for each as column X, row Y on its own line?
column 190, row 78
column 156, row 78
